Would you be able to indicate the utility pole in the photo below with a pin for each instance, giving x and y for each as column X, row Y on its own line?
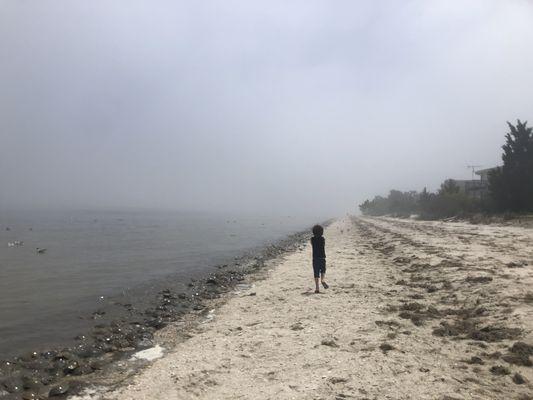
column 473, row 168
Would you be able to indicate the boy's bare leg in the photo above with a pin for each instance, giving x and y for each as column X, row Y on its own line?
column 323, row 279
column 317, row 285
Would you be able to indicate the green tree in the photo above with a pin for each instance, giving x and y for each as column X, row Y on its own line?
column 426, row 202
column 449, row 186
column 403, row 203
column 397, row 203
column 511, row 186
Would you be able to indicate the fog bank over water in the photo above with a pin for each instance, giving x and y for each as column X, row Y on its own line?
column 303, row 107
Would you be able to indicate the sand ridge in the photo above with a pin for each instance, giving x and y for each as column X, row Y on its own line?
column 375, row 333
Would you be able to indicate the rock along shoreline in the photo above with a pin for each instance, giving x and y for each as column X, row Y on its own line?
column 60, row 372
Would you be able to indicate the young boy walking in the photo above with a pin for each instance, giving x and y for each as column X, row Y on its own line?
column 319, row 257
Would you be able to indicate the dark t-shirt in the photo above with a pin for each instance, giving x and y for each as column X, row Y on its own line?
column 318, row 243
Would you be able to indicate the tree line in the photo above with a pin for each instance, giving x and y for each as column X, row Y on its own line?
column 510, row 187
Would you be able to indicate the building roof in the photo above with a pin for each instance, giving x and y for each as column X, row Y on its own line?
column 484, row 171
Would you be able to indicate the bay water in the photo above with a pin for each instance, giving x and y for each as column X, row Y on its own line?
column 93, row 255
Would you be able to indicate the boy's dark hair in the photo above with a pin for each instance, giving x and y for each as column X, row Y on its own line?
column 318, row 230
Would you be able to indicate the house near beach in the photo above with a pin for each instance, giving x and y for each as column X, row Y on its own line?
column 471, row 187
column 475, row 188
column 484, row 174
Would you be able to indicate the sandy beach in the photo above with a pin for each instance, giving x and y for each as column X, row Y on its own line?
column 415, row 310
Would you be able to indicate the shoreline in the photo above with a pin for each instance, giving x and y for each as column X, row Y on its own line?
column 414, row 310
column 124, row 330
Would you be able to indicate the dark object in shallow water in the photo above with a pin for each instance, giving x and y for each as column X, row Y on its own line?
column 59, row 390
column 40, row 251
column 12, row 384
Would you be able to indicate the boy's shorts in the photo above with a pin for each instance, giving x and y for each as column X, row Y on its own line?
column 319, row 266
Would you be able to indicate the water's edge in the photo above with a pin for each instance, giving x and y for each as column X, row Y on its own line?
column 127, row 324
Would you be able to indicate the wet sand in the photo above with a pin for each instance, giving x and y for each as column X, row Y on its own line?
column 415, row 310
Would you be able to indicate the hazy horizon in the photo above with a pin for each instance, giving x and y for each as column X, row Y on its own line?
column 300, row 108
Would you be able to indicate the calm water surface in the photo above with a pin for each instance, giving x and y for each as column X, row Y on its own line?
column 91, row 255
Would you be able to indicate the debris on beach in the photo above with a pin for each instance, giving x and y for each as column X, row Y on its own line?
column 297, row 326
column 386, row 347
column 500, row 370
column 519, row 379
column 519, row 354
column 330, row 342
column 149, row 354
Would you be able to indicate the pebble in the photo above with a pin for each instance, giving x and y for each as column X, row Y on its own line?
column 59, row 390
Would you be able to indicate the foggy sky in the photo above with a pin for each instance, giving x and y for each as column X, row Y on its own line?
column 282, row 107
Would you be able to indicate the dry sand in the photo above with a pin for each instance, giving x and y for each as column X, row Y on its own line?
column 415, row 310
